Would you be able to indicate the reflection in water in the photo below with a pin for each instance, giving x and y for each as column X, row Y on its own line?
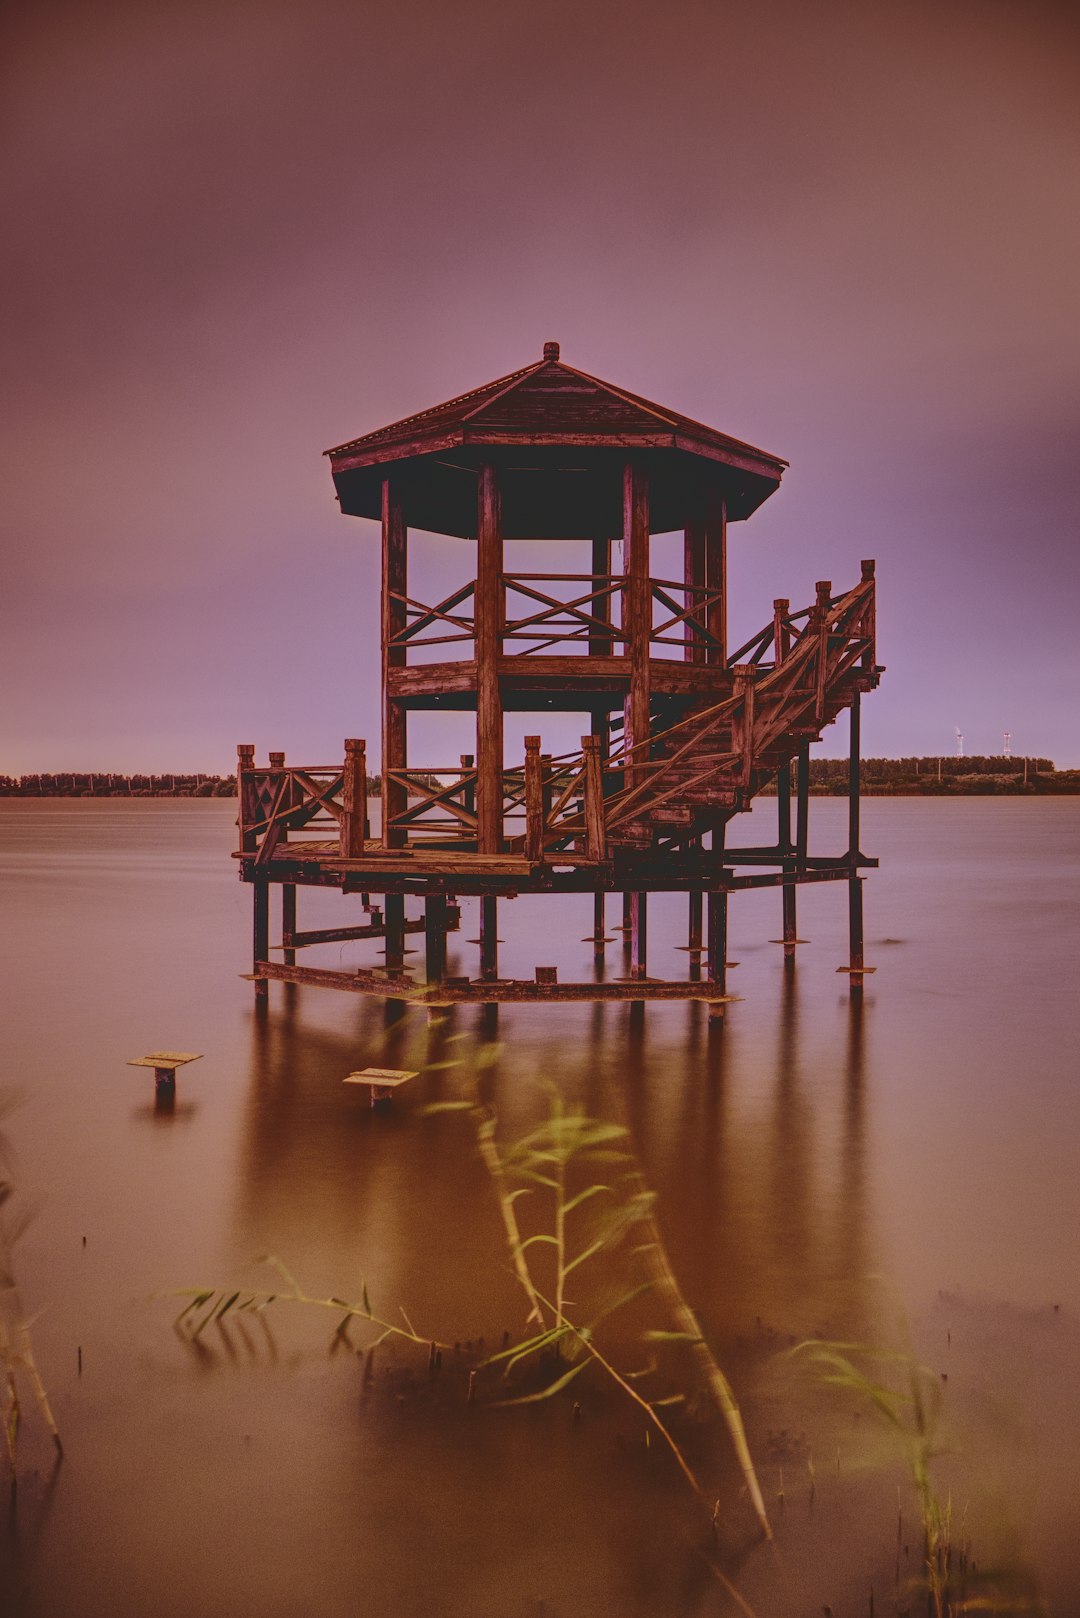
column 798, row 1145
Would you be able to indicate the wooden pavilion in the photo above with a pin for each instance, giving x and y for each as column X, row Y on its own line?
column 680, row 731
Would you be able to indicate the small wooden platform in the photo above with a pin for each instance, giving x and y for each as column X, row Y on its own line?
column 381, row 1081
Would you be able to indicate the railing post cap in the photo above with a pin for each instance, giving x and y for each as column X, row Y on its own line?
column 276, row 760
column 532, row 744
column 246, row 749
column 868, row 569
column 782, row 603
column 823, row 587
column 354, row 744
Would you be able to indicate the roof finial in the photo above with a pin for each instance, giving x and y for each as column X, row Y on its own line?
column 551, row 351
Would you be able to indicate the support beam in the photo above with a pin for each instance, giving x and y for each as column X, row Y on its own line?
column 489, row 938
column 639, row 935
column 598, row 934
column 716, row 576
column 288, row 922
column 354, row 800
column 601, row 645
column 490, row 613
column 394, row 911
column 694, row 576
column 260, row 940
column 802, row 806
column 717, row 946
column 435, row 936
column 394, row 589
column 637, row 606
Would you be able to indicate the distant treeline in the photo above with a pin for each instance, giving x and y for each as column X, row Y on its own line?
column 68, row 785
column 978, row 775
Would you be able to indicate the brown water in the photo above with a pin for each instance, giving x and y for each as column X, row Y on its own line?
column 819, row 1169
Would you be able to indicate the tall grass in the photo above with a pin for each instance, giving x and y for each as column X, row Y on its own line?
column 16, row 1346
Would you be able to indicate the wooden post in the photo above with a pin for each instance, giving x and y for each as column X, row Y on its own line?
column 742, row 740
column 394, row 911
column 489, row 937
column 855, row 895
column 534, row 800
column 489, row 627
column 395, row 796
column 694, row 575
column 870, row 618
column 435, row 936
column 260, row 941
column 600, row 645
column 638, row 608
column 716, row 576
column 598, row 925
column 854, row 750
column 354, row 800
column 694, row 920
column 595, row 829
column 245, row 806
column 639, row 935
column 717, row 946
column 288, row 922
column 468, row 791
column 802, row 806
column 821, row 619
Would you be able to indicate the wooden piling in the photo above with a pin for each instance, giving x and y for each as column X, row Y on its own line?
column 435, row 926
column 489, row 937
column 260, row 951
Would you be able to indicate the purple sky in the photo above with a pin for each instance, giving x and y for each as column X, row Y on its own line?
column 238, row 233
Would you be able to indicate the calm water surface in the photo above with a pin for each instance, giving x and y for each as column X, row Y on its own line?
column 910, row 1166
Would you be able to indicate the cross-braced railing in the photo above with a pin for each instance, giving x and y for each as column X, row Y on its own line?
column 720, row 755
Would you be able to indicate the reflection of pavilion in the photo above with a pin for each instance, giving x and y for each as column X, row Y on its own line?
column 759, row 1168
column 682, row 731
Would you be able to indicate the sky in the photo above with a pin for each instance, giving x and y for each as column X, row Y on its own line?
column 236, row 234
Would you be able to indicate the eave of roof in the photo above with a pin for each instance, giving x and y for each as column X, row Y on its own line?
column 455, row 419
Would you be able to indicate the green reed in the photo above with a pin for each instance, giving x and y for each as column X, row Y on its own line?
column 16, row 1346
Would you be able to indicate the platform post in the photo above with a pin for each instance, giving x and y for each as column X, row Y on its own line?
column 354, row 800
column 802, row 806
column 637, row 611
column 288, row 922
column 717, row 946
column 245, row 798
column 693, row 930
column 395, row 796
column 260, row 940
column 639, row 935
column 489, row 616
column 435, row 936
column 489, row 937
column 716, row 578
column 394, row 913
column 598, row 925
column 855, row 896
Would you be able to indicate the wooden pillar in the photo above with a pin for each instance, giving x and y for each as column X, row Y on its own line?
column 468, row 790
column 598, row 934
column 489, row 627
column 716, row 577
column 288, row 922
column 534, row 800
column 716, row 956
column 435, row 936
column 354, row 800
column 802, row 806
column 694, row 577
column 600, row 644
column 394, row 912
column 394, row 585
column 245, row 798
column 637, row 607
column 855, row 894
column 489, row 937
column 693, row 929
column 595, row 825
column 854, row 750
column 260, row 941
column 639, row 935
